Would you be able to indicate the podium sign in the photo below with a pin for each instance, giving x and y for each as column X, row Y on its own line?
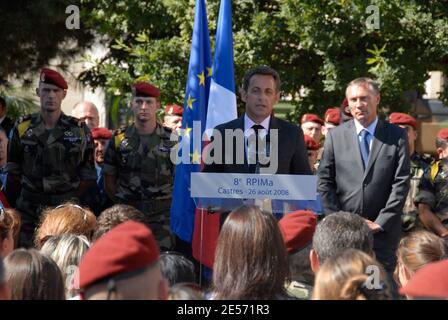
column 253, row 186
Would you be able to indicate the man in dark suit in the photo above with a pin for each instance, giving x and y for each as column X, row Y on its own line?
column 261, row 142
column 365, row 169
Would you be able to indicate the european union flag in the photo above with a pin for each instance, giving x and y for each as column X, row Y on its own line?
column 195, row 109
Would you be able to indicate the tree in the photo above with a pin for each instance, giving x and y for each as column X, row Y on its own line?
column 33, row 33
column 317, row 46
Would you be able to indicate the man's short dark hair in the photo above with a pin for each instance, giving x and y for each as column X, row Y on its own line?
column 340, row 231
column 262, row 70
column 115, row 215
column 441, row 143
column 373, row 86
column 176, row 268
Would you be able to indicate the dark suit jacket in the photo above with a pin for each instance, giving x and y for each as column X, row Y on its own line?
column 292, row 154
column 379, row 192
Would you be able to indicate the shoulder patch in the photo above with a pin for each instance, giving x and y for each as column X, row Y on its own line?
column 23, row 126
column 119, row 136
column 434, row 170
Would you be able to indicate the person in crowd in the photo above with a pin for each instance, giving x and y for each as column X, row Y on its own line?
column 351, row 275
column 6, row 233
column 67, row 218
column 50, row 156
column 312, row 125
column 123, row 265
column 430, row 282
column 137, row 167
column 419, row 163
column 332, row 119
column 96, row 198
column 176, row 268
column 5, row 291
column 312, row 148
column 16, row 224
column 251, row 260
column 173, row 117
column 185, row 291
column 432, row 195
column 5, row 122
column 3, row 157
column 33, row 276
column 416, row 250
column 297, row 230
column 115, row 215
column 67, row 250
column 338, row 232
column 87, row 112
column 365, row 169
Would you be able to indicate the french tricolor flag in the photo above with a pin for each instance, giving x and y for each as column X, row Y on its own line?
column 222, row 98
column 221, row 109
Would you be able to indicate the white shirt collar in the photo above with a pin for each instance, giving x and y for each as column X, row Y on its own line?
column 248, row 123
column 2, row 118
column 371, row 128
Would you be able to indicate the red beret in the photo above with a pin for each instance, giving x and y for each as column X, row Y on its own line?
column 430, row 281
column 332, row 115
column 297, row 229
column 101, row 133
column 443, row 134
column 309, row 117
column 143, row 89
column 128, row 247
column 310, row 143
column 403, row 119
column 174, row 109
column 52, row 77
column 345, row 108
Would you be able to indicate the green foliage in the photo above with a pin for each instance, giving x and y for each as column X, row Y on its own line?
column 18, row 104
column 34, row 32
column 317, row 46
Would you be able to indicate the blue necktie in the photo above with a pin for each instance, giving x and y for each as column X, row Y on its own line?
column 365, row 149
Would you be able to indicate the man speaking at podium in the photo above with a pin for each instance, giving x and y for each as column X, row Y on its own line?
column 261, row 142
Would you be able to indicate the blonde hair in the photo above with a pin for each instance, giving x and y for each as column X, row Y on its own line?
column 68, row 218
column 345, row 276
column 420, row 248
column 67, row 250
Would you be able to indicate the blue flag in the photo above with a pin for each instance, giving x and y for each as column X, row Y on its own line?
column 195, row 109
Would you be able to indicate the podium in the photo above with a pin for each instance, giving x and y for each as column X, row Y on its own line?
column 217, row 194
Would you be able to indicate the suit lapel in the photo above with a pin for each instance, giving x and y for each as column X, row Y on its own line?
column 352, row 138
column 377, row 144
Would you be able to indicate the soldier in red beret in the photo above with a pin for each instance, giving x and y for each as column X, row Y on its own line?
column 332, row 119
column 419, row 163
column 430, row 282
column 173, row 117
column 122, row 265
column 50, row 156
column 312, row 126
column 138, row 170
column 297, row 230
column 313, row 151
column 431, row 199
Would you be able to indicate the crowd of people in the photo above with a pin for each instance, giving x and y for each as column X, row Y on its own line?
column 85, row 211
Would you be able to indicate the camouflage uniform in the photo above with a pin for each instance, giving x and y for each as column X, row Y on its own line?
column 433, row 190
column 144, row 175
column 51, row 164
column 419, row 163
